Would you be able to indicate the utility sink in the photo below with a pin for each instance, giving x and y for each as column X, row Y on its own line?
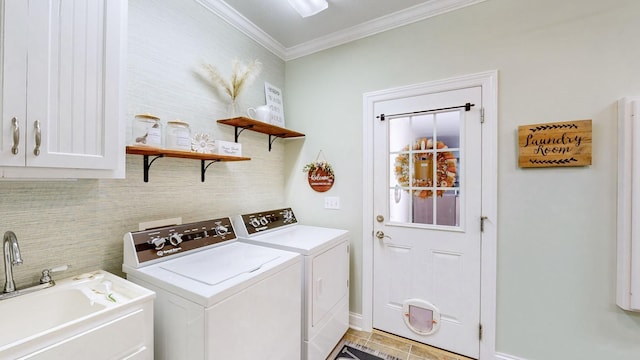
column 96, row 315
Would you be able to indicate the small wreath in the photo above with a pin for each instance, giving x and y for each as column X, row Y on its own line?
column 445, row 169
column 319, row 175
column 314, row 166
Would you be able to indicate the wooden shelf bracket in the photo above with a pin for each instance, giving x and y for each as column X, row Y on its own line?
column 203, row 168
column 274, row 137
column 147, row 165
column 156, row 153
column 242, row 128
column 243, row 123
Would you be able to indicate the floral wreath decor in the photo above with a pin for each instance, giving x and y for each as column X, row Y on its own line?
column 319, row 174
column 445, row 169
column 314, row 166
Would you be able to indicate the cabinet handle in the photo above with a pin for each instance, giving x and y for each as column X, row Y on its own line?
column 16, row 136
column 36, row 150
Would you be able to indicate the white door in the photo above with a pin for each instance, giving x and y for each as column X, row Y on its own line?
column 427, row 203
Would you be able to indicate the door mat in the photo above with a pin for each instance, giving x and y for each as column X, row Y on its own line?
column 359, row 352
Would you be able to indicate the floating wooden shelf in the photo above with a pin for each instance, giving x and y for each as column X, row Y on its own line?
column 147, row 151
column 274, row 132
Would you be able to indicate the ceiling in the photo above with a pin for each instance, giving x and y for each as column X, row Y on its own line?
column 275, row 25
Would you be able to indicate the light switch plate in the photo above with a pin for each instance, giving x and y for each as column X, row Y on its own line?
column 332, row 202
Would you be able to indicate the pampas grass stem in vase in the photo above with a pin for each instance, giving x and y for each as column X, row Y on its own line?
column 228, row 90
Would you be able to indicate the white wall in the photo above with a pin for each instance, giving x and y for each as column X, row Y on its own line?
column 557, row 61
column 82, row 222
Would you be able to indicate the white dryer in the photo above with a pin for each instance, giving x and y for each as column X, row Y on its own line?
column 325, row 289
column 217, row 298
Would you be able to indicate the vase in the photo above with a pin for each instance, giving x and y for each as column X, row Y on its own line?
column 233, row 110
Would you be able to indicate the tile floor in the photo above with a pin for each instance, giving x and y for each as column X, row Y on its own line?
column 396, row 346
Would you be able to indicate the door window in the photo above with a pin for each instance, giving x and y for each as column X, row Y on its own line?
column 424, row 169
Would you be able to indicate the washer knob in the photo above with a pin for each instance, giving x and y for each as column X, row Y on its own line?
column 175, row 239
column 288, row 216
column 254, row 222
column 157, row 242
column 222, row 230
column 263, row 220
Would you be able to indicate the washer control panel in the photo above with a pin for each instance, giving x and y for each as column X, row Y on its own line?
column 162, row 242
column 268, row 220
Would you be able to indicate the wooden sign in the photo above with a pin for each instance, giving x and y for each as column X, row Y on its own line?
column 320, row 180
column 558, row 144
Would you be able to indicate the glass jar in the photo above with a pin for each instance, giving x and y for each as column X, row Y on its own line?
column 178, row 135
column 147, row 130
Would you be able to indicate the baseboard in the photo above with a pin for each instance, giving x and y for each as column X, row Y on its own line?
column 501, row 356
column 355, row 321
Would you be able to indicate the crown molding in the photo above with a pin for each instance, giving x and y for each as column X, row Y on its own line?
column 378, row 25
column 372, row 27
column 237, row 20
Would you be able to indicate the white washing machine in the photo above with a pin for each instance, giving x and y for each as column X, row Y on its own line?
column 217, row 298
column 325, row 289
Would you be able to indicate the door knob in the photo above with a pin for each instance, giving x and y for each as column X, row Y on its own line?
column 379, row 218
column 380, row 235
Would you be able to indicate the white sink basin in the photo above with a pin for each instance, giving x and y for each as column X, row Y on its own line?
column 77, row 311
column 29, row 315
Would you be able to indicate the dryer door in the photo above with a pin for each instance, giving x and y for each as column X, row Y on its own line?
column 330, row 276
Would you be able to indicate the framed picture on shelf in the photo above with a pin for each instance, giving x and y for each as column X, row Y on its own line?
column 274, row 101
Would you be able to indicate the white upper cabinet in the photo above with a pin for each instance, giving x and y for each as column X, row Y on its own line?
column 63, row 88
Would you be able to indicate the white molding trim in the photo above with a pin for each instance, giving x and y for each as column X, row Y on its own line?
column 627, row 240
column 501, row 356
column 376, row 26
column 489, row 83
column 372, row 27
column 237, row 20
column 355, row 321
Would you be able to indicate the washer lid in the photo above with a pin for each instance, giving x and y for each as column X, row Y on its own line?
column 303, row 239
column 230, row 261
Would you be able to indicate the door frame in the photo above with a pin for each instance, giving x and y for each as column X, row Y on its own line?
column 489, row 83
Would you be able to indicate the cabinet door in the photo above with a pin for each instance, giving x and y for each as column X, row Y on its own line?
column 74, row 86
column 120, row 338
column 13, row 76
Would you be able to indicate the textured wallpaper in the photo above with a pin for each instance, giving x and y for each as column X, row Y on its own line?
column 82, row 222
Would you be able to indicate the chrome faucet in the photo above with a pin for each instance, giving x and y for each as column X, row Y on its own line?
column 11, row 257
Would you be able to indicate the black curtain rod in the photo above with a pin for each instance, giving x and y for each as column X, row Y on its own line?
column 466, row 107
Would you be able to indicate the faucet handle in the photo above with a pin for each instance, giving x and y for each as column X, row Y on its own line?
column 46, row 273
